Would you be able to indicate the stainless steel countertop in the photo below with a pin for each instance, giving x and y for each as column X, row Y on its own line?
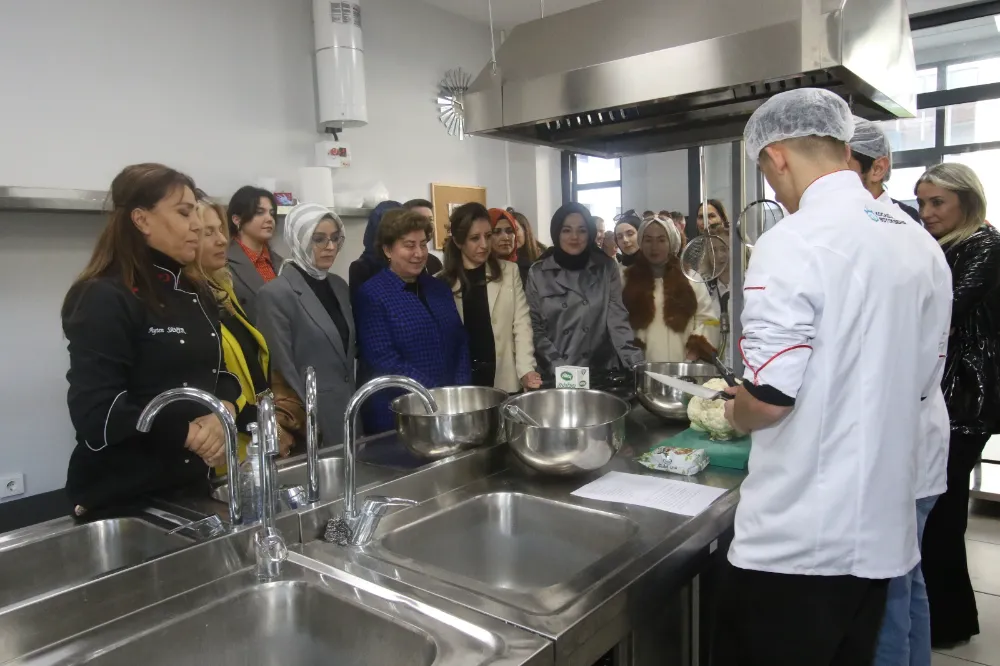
column 665, row 553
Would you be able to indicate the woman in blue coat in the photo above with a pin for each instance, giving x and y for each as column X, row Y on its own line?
column 407, row 320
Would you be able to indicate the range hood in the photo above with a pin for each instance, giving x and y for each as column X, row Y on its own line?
column 626, row 77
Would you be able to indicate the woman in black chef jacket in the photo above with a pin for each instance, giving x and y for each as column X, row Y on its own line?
column 137, row 326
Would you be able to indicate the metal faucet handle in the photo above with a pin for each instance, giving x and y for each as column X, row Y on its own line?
column 377, row 506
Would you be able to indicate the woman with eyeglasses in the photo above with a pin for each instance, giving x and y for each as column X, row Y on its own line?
column 505, row 245
column 574, row 295
column 306, row 318
column 627, row 237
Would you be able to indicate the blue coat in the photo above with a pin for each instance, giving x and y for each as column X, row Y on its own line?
column 397, row 335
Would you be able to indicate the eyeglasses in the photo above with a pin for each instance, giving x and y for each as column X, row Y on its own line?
column 320, row 240
column 506, row 231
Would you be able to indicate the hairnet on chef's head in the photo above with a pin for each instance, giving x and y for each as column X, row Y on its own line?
column 673, row 235
column 796, row 114
column 869, row 140
column 300, row 223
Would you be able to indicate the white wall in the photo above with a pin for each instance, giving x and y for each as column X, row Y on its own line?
column 658, row 181
column 221, row 89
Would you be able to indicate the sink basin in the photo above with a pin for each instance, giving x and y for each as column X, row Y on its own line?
column 331, row 478
column 77, row 554
column 279, row 623
column 516, row 548
column 308, row 616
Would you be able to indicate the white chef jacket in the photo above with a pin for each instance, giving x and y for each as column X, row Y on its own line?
column 935, row 427
column 845, row 307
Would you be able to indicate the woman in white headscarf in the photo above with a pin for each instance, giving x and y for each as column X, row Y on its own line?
column 305, row 315
column 671, row 316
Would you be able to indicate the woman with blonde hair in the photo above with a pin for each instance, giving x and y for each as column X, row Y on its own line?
column 671, row 316
column 244, row 350
column 490, row 300
column 953, row 208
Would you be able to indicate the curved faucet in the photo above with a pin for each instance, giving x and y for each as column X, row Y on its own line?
column 209, row 401
column 269, row 547
column 312, row 438
column 361, row 524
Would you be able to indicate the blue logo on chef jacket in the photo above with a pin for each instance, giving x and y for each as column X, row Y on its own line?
column 878, row 216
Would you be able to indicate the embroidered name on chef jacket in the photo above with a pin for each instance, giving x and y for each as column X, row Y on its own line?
column 177, row 330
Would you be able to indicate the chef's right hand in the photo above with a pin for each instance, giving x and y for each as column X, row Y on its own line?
column 206, row 439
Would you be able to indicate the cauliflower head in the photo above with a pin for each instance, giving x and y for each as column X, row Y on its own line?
column 709, row 415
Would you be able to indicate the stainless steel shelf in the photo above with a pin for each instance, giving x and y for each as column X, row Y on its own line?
column 93, row 201
column 51, row 199
column 341, row 212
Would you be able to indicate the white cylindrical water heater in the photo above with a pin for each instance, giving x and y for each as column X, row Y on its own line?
column 340, row 64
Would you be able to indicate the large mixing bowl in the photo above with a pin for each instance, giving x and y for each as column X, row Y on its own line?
column 666, row 402
column 467, row 417
column 580, row 430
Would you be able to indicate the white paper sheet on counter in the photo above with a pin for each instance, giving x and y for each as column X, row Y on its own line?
column 685, row 498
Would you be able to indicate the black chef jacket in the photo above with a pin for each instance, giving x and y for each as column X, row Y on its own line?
column 122, row 354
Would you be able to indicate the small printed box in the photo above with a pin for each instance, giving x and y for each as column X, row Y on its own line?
column 572, row 376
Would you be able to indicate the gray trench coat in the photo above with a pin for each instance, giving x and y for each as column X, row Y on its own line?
column 578, row 317
column 299, row 334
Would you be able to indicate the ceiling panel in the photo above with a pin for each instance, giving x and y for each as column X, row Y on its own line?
column 508, row 13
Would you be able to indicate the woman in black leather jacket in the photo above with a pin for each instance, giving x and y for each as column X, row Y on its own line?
column 953, row 208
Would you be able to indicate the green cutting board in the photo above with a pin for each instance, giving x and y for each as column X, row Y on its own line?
column 732, row 454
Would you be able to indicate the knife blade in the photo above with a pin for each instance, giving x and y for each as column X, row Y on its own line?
column 689, row 387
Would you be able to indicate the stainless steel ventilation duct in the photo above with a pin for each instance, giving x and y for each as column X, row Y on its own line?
column 625, row 77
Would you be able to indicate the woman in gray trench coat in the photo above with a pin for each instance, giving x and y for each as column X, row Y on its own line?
column 305, row 316
column 574, row 293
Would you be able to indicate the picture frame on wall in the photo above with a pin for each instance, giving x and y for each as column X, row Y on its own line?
column 446, row 198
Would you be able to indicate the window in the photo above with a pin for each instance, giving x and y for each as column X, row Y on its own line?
column 901, row 184
column 597, row 184
column 986, row 164
column 959, row 63
column 919, row 132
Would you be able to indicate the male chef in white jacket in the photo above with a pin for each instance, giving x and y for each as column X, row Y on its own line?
column 845, row 307
column 905, row 636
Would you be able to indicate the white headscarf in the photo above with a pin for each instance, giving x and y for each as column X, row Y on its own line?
column 673, row 236
column 300, row 223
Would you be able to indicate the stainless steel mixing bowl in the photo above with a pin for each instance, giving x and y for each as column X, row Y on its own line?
column 666, row 402
column 467, row 417
column 580, row 430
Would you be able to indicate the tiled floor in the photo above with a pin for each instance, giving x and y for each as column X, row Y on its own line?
column 983, row 544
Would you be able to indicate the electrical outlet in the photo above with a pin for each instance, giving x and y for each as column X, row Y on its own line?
column 11, row 485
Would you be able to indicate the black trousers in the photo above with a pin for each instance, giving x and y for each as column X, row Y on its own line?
column 954, row 616
column 769, row 619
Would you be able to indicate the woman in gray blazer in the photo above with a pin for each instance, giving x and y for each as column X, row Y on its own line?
column 305, row 316
column 251, row 261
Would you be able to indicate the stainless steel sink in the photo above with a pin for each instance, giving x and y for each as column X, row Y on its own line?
column 313, row 615
column 45, row 561
column 331, row 478
column 511, row 541
column 529, row 552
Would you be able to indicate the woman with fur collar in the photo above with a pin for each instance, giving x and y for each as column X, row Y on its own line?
column 670, row 315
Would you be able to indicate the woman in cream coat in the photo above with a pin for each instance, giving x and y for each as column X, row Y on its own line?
column 490, row 299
